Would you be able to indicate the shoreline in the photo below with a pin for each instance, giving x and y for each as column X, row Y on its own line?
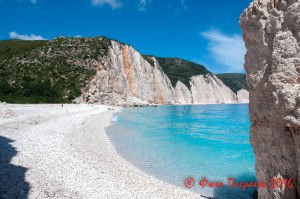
column 66, row 153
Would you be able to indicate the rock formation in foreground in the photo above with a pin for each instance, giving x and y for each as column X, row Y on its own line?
column 271, row 30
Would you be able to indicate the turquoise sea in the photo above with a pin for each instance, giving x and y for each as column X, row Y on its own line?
column 173, row 143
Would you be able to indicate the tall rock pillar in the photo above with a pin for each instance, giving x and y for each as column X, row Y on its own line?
column 271, row 30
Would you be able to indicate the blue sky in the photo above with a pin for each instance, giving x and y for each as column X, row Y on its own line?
column 205, row 32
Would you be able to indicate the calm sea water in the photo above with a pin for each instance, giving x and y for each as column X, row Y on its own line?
column 173, row 143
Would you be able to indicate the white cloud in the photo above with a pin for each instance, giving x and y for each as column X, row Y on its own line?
column 114, row 4
column 14, row 35
column 182, row 2
column 144, row 5
column 228, row 50
column 33, row 1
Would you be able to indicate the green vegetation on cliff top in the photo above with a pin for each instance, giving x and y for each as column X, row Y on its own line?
column 181, row 70
column 47, row 71
column 235, row 81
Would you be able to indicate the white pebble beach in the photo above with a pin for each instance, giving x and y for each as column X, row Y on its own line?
column 50, row 151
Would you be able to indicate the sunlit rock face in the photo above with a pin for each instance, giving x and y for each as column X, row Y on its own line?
column 182, row 94
column 124, row 77
column 208, row 89
column 271, row 33
column 243, row 96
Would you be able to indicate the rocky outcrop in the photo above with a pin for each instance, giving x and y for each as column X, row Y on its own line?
column 271, row 33
column 243, row 96
column 208, row 89
column 182, row 94
column 125, row 78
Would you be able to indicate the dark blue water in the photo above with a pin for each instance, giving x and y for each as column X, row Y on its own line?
column 176, row 142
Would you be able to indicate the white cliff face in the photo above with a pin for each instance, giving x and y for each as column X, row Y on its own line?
column 182, row 94
column 124, row 77
column 208, row 89
column 271, row 33
column 243, row 96
column 164, row 92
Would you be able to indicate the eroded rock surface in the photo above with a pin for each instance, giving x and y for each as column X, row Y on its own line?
column 271, row 33
column 182, row 94
column 243, row 96
column 125, row 78
column 208, row 89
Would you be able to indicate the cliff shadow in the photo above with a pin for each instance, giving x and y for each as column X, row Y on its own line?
column 237, row 193
column 12, row 178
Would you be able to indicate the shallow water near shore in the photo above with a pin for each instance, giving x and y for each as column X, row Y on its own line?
column 173, row 143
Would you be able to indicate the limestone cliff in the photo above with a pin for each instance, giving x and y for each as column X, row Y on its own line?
column 208, row 89
column 125, row 77
column 243, row 96
column 182, row 94
column 271, row 32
